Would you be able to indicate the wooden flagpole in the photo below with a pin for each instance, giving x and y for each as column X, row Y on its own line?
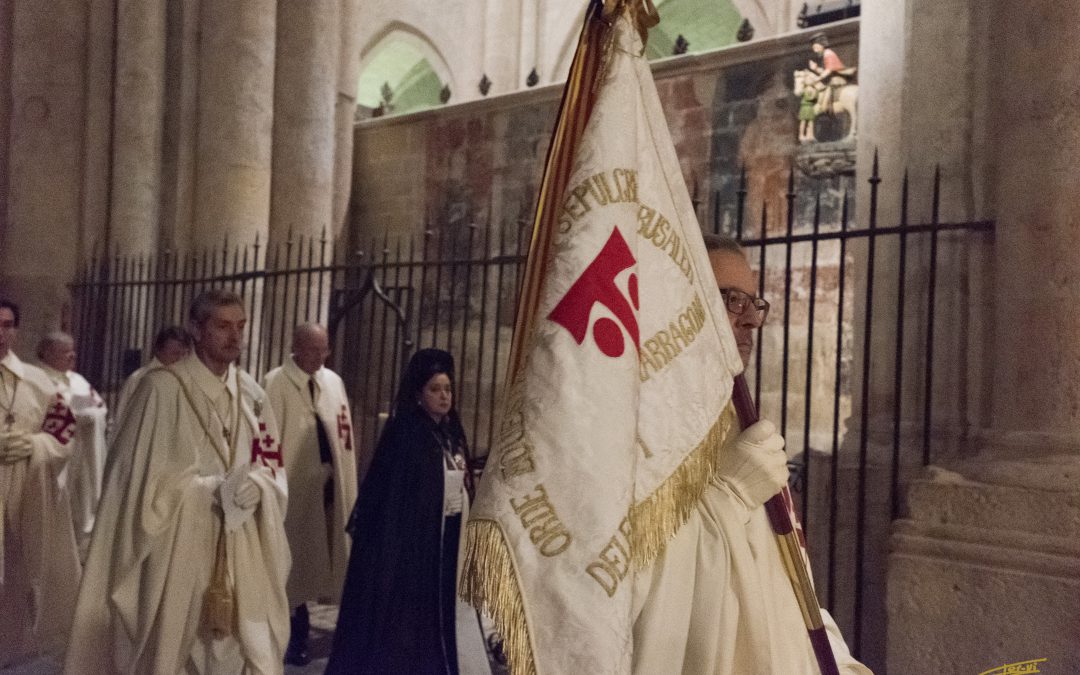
column 790, row 548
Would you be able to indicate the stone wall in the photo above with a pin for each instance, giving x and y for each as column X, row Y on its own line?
column 137, row 127
column 442, row 171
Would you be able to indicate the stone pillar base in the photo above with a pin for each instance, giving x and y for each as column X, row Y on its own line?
column 985, row 571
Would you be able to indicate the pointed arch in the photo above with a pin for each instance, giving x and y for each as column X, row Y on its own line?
column 403, row 38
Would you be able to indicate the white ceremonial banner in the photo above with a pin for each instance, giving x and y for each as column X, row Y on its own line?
column 611, row 429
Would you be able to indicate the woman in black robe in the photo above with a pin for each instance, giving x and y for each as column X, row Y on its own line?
column 398, row 606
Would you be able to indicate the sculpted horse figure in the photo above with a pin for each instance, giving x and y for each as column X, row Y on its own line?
column 843, row 98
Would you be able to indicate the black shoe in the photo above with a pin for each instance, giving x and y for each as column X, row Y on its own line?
column 299, row 627
column 296, row 656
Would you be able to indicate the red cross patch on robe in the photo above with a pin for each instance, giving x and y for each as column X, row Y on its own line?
column 59, row 421
column 265, row 450
column 344, row 429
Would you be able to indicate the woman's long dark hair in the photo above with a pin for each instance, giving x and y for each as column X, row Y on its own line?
column 424, row 365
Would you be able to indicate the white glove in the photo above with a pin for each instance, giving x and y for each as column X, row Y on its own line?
column 754, row 467
column 240, row 495
column 248, row 495
column 15, row 446
column 212, row 484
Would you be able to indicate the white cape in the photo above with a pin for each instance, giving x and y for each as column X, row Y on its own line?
column 320, row 547
column 39, row 564
column 718, row 601
column 152, row 554
column 85, row 471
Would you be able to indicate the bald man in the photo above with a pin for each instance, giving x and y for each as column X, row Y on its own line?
column 86, row 468
column 312, row 409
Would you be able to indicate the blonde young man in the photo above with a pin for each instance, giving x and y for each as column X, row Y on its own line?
column 187, row 566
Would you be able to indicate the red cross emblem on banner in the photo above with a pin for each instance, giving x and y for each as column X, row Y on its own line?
column 597, row 285
column 262, row 449
column 344, row 429
column 59, row 421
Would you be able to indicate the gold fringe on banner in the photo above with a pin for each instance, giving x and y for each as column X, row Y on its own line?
column 489, row 582
column 655, row 519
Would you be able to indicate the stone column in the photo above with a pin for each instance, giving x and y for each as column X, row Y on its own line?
column 235, row 120
column 305, row 84
column 180, row 132
column 45, row 127
column 97, row 136
column 921, row 98
column 302, row 194
column 7, row 49
column 1035, row 131
column 984, row 568
column 345, row 113
column 920, row 94
column 137, row 111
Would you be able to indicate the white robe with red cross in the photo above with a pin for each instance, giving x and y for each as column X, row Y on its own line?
column 316, row 529
column 86, row 468
column 39, row 565
column 153, row 550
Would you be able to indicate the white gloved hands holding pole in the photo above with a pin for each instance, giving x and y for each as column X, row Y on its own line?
column 754, row 466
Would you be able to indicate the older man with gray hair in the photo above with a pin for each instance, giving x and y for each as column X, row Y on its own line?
column 86, row 468
column 312, row 408
column 717, row 600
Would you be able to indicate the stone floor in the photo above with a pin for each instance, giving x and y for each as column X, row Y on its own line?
column 323, row 618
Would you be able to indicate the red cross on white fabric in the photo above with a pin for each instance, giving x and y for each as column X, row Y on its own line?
column 262, row 449
column 344, row 429
column 59, row 421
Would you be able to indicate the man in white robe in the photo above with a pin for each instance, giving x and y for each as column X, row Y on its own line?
column 39, row 565
column 86, row 467
column 171, row 344
column 312, row 409
column 718, row 600
column 187, row 566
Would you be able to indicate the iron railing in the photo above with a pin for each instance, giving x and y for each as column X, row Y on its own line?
column 456, row 289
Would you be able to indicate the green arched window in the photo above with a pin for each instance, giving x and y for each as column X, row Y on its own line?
column 704, row 24
column 399, row 78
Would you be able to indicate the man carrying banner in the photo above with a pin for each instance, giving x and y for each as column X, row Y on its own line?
column 312, row 408
column 39, row 564
column 187, row 565
column 617, row 428
column 718, row 599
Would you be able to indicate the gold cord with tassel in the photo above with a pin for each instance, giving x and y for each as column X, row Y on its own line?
column 219, row 606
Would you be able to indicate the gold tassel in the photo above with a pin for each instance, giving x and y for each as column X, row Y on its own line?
column 218, row 606
column 655, row 519
column 489, row 579
column 489, row 583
